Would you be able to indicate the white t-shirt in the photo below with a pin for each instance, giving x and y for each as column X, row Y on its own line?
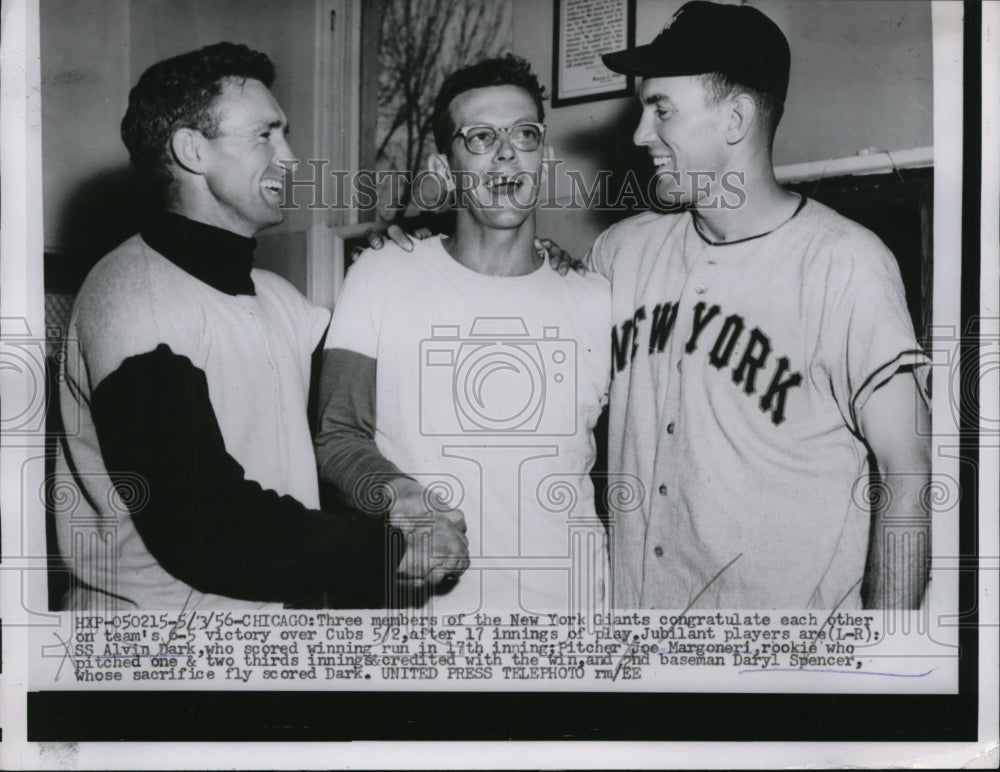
column 487, row 391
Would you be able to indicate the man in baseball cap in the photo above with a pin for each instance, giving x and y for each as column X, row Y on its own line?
column 762, row 354
column 725, row 51
column 737, row 41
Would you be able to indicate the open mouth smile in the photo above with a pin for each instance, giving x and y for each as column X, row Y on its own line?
column 273, row 187
column 506, row 182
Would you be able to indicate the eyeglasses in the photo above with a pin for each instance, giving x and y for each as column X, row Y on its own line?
column 482, row 139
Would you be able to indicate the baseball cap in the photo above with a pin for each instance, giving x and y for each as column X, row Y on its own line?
column 735, row 40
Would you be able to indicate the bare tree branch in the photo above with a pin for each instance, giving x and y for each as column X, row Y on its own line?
column 422, row 42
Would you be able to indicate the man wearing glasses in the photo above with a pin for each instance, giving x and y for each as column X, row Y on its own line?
column 464, row 379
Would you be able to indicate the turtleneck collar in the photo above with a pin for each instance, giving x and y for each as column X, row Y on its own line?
column 220, row 258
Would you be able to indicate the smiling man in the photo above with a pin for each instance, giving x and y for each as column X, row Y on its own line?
column 762, row 354
column 469, row 377
column 192, row 482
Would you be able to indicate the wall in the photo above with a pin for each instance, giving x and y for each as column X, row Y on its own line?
column 85, row 76
column 93, row 51
column 861, row 77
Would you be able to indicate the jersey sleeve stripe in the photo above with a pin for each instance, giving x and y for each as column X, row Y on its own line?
column 881, row 376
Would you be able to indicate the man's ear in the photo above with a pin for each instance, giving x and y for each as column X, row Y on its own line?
column 186, row 146
column 741, row 116
column 437, row 163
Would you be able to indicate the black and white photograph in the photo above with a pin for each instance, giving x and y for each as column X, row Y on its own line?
column 616, row 380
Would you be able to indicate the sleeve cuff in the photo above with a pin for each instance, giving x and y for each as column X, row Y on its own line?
column 912, row 358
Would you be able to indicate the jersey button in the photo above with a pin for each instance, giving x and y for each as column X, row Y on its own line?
column 658, row 551
column 700, row 289
column 663, row 490
column 678, row 365
column 670, row 428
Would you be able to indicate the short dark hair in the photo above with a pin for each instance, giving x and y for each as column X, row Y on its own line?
column 508, row 70
column 769, row 107
column 180, row 92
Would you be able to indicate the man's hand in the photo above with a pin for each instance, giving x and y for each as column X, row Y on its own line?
column 559, row 261
column 435, row 550
column 436, row 545
column 412, row 504
column 395, row 234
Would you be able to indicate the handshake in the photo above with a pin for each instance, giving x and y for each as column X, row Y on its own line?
column 437, row 549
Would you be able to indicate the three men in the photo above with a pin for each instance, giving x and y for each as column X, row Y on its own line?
column 467, row 377
column 192, row 482
column 762, row 352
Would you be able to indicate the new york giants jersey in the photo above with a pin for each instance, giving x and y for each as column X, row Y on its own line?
column 738, row 374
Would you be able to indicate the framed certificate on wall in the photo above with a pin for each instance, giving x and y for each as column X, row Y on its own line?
column 582, row 31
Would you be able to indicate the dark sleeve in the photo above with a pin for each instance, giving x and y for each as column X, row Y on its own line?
column 345, row 441
column 315, row 368
column 204, row 521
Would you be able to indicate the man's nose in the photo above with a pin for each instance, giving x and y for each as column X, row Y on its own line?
column 504, row 150
column 644, row 134
column 283, row 152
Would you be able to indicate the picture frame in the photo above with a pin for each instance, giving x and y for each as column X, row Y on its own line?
column 578, row 75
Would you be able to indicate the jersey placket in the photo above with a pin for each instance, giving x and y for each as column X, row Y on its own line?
column 663, row 526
